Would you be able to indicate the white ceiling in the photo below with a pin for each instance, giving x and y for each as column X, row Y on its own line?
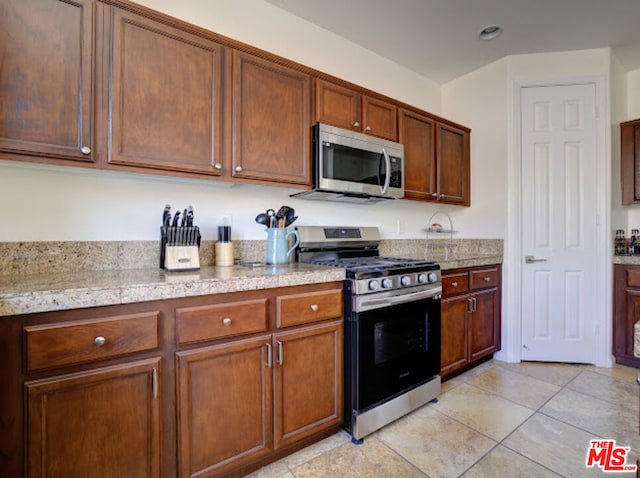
column 439, row 38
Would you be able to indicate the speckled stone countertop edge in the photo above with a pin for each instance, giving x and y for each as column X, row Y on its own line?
column 48, row 293
column 27, row 294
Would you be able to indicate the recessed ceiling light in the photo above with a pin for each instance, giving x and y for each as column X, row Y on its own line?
column 490, row 32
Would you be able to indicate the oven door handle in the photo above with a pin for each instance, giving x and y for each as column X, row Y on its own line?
column 373, row 303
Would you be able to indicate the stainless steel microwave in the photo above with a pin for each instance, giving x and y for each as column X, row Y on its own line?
column 354, row 167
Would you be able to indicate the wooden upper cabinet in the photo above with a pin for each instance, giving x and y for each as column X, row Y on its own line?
column 164, row 96
column 453, row 165
column 348, row 109
column 271, row 121
column 436, row 157
column 417, row 134
column 47, row 58
column 630, row 161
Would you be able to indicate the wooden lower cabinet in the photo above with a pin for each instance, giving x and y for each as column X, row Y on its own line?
column 470, row 328
column 224, row 406
column 308, row 381
column 239, row 402
column 626, row 312
column 72, row 423
column 215, row 385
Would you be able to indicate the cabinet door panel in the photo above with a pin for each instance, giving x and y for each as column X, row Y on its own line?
column 224, row 406
column 271, row 121
column 453, row 164
column 165, row 98
column 454, row 334
column 46, row 100
column 482, row 329
column 417, row 134
column 337, row 106
column 379, row 118
column 101, row 423
column 308, row 394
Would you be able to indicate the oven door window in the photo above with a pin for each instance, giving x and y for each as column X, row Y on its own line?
column 399, row 348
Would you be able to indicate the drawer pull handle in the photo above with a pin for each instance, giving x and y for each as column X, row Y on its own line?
column 314, row 307
column 99, row 341
column 454, row 283
column 226, row 321
column 487, row 279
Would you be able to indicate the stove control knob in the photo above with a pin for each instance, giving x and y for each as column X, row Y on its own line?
column 433, row 277
column 405, row 281
column 373, row 285
column 422, row 278
column 387, row 283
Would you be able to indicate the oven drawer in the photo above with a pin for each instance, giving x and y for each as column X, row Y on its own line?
column 209, row 322
column 82, row 341
column 455, row 284
column 309, row 307
column 484, row 278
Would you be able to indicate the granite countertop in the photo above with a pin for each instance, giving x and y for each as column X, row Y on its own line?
column 27, row 294
column 31, row 293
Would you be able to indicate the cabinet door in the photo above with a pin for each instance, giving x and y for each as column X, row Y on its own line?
column 165, row 92
column 453, row 341
column 417, row 134
column 337, row 106
column 482, row 324
column 271, row 121
column 99, row 423
column 308, row 383
column 224, row 402
column 379, row 118
column 630, row 161
column 453, row 165
column 46, row 102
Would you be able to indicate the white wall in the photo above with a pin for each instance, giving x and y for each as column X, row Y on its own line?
column 619, row 108
column 633, row 88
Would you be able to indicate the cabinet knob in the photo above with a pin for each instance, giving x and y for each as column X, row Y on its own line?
column 314, row 307
column 99, row 341
column 238, row 169
column 356, row 125
column 454, row 283
column 368, row 128
column 218, row 166
column 86, row 150
column 226, row 321
column 487, row 279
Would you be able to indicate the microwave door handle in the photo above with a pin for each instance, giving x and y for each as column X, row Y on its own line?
column 387, row 178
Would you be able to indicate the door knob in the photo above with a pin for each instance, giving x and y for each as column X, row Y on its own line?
column 532, row 259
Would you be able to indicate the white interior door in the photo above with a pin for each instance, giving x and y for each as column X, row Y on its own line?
column 559, row 222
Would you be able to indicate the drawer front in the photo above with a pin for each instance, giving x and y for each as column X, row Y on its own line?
column 309, row 307
column 484, row 278
column 455, row 284
column 77, row 342
column 208, row 322
column 633, row 277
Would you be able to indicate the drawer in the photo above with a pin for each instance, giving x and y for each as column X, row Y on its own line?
column 309, row 307
column 633, row 277
column 208, row 322
column 481, row 279
column 455, row 284
column 82, row 341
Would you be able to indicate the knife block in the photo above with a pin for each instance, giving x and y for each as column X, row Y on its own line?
column 181, row 258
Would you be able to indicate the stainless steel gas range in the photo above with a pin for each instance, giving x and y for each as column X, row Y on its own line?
column 392, row 325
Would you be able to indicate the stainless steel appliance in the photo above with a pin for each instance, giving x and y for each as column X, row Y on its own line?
column 392, row 325
column 354, row 167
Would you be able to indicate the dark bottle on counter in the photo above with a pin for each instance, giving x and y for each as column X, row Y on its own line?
column 634, row 246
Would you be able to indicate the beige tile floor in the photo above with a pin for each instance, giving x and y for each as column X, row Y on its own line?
column 497, row 420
